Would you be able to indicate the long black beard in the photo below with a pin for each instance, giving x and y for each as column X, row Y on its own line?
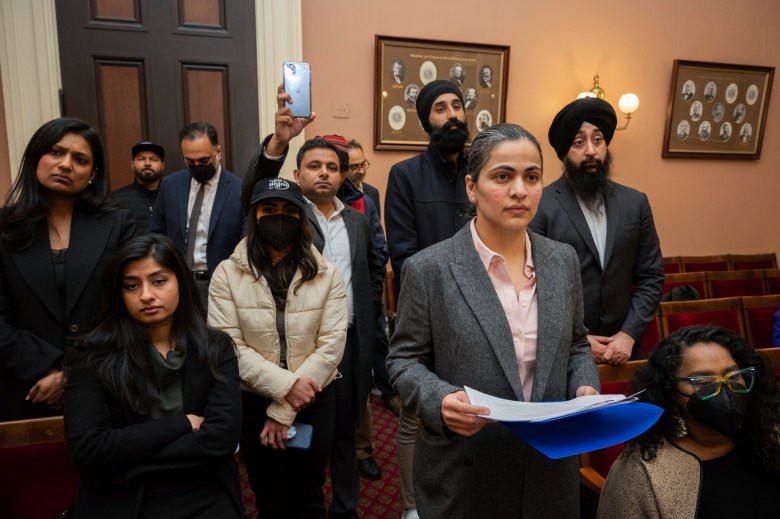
column 446, row 141
column 590, row 187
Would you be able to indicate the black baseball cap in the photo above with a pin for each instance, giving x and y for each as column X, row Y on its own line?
column 149, row 146
column 278, row 188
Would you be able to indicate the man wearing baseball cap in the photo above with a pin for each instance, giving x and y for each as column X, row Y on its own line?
column 148, row 164
column 426, row 203
column 609, row 225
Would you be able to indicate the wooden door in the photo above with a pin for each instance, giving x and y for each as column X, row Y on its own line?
column 142, row 69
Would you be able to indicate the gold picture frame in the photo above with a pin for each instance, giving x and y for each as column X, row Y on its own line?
column 403, row 66
column 717, row 110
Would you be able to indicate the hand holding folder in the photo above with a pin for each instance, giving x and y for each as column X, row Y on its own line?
column 560, row 429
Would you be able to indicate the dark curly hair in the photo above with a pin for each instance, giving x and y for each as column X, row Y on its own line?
column 760, row 431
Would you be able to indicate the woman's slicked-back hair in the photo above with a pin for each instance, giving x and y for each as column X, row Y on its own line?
column 656, row 379
column 489, row 139
column 25, row 203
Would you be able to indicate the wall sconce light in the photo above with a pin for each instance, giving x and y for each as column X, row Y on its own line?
column 628, row 103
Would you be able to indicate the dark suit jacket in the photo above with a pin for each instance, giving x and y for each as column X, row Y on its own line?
column 452, row 332
column 34, row 327
column 368, row 273
column 373, row 193
column 116, row 450
column 624, row 294
column 368, row 276
column 226, row 226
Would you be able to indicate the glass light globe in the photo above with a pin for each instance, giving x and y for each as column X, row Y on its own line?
column 628, row 103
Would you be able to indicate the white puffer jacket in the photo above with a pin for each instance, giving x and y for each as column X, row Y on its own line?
column 315, row 322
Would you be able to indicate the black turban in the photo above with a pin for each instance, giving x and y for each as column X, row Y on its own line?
column 569, row 120
column 428, row 95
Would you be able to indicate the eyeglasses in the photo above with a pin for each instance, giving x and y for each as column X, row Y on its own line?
column 353, row 168
column 708, row 386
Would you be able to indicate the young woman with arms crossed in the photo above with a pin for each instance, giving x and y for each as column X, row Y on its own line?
column 152, row 403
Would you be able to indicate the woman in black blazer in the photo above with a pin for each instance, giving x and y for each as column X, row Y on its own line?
column 57, row 230
column 152, row 402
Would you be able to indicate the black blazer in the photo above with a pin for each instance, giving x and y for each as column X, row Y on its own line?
column 624, row 294
column 34, row 328
column 368, row 276
column 373, row 193
column 116, row 450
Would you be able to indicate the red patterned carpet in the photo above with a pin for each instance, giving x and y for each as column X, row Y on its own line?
column 378, row 499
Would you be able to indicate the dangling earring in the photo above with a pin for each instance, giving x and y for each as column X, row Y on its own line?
column 681, row 429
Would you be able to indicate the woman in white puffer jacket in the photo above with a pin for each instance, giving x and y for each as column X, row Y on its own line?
column 285, row 307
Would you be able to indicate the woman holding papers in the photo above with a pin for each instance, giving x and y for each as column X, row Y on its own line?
column 715, row 452
column 499, row 309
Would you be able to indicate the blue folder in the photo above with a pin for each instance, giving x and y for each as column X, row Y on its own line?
column 587, row 430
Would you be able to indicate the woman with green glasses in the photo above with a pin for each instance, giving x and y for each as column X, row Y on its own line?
column 715, row 452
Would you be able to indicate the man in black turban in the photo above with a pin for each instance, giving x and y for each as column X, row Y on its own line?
column 426, row 203
column 611, row 228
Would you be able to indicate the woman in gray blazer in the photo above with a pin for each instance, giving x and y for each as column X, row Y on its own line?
column 497, row 308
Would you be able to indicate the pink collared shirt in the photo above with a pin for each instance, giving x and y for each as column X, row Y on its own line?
column 520, row 308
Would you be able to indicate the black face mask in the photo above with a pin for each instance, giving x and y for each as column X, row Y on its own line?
column 278, row 230
column 203, row 173
column 723, row 412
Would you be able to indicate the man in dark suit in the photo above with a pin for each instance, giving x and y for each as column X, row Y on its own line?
column 471, row 99
column 343, row 235
column 486, row 77
column 198, row 208
column 609, row 225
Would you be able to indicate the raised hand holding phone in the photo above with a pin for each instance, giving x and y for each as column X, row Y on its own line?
column 297, row 84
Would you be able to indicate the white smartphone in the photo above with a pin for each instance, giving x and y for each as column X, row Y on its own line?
column 297, row 83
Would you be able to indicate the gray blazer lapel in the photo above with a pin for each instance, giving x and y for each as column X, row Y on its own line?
column 549, row 326
column 572, row 207
column 478, row 291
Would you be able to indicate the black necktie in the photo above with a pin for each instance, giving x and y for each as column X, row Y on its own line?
column 193, row 227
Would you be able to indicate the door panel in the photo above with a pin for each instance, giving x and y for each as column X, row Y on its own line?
column 121, row 113
column 142, row 69
column 205, row 100
column 117, row 10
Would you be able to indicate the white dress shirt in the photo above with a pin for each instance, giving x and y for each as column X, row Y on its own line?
column 202, row 232
column 597, row 223
column 337, row 249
